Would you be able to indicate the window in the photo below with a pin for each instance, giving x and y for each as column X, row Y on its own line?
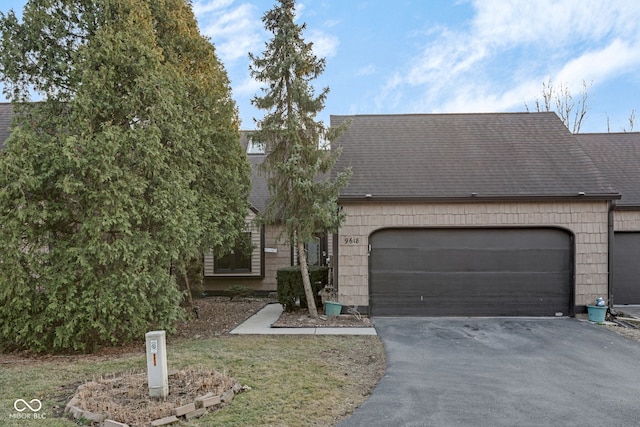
column 314, row 256
column 255, row 147
column 316, row 251
column 239, row 260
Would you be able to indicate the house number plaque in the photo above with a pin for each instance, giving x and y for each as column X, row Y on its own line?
column 351, row 240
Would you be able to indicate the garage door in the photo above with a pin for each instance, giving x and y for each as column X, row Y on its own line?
column 626, row 268
column 471, row 272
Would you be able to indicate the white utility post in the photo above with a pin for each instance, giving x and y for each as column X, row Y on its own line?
column 157, row 364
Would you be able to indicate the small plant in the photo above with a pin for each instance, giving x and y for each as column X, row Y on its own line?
column 329, row 293
column 239, row 291
column 354, row 311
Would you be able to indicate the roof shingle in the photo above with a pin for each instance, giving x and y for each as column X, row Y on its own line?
column 618, row 156
column 6, row 112
column 259, row 190
column 496, row 155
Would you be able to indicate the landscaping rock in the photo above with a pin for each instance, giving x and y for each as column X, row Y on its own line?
column 164, row 421
column 94, row 417
column 195, row 414
column 111, row 423
column 73, row 402
column 207, row 400
column 75, row 411
column 181, row 410
column 228, row 396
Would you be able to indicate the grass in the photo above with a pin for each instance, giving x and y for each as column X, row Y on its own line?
column 294, row 380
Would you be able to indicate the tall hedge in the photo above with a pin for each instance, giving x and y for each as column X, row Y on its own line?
column 291, row 288
column 121, row 172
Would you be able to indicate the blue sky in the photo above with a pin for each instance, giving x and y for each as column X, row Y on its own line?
column 431, row 56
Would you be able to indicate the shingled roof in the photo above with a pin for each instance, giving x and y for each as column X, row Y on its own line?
column 618, row 156
column 259, row 190
column 457, row 156
column 6, row 112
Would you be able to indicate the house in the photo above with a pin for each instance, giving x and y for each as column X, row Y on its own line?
column 6, row 112
column 257, row 270
column 618, row 156
column 499, row 214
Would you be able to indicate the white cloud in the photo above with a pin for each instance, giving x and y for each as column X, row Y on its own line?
column 616, row 58
column 200, row 7
column 481, row 67
column 247, row 88
column 235, row 30
column 367, row 70
column 324, row 45
column 390, row 94
column 549, row 21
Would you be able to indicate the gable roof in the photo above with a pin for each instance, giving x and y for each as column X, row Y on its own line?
column 458, row 156
column 259, row 190
column 6, row 112
column 618, row 156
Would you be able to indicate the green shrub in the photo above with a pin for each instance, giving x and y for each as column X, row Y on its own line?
column 290, row 287
column 239, row 291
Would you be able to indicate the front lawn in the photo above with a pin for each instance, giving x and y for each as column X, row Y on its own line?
column 294, row 380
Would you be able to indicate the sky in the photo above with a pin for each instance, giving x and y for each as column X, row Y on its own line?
column 438, row 56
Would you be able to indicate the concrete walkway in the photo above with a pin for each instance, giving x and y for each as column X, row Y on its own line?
column 260, row 324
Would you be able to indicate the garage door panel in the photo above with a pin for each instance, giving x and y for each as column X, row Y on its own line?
column 626, row 268
column 456, row 272
column 480, row 238
column 522, row 306
column 463, row 286
column 471, row 260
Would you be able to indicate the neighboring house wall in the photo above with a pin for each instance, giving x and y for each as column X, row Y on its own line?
column 262, row 278
column 626, row 220
column 256, row 261
column 274, row 260
column 586, row 220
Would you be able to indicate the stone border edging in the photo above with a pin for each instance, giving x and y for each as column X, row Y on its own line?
column 200, row 406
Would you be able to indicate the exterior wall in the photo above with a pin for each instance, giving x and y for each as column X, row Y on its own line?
column 276, row 255
column 587, row 221
column 256, row 259
column 626, row 220
column 274, row 260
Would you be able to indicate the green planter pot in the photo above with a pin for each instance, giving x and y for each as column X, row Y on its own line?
column 596, row 314
column 332, row 308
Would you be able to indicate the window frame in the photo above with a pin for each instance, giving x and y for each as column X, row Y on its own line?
column 235, row 254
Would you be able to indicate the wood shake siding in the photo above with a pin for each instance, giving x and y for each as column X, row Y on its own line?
column 586, row 220
column 626, row 220
column 256, row 259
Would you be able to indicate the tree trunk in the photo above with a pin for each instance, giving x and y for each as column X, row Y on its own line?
column 186, row 283
column 308, row 290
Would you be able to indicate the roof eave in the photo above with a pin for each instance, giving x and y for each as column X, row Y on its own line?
column 620, row 207
column 579, row 197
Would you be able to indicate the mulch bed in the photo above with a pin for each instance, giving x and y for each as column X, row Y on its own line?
column 125, row 398
column 301, row 319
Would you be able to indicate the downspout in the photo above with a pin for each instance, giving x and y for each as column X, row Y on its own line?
column 336, row 255
column 610, row 221
column 334, row 262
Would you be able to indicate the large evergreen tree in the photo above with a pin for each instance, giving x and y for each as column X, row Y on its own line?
column 303, row 197
column 118, row 175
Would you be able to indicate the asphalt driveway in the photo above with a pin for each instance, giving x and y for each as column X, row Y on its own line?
column 503, row 372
